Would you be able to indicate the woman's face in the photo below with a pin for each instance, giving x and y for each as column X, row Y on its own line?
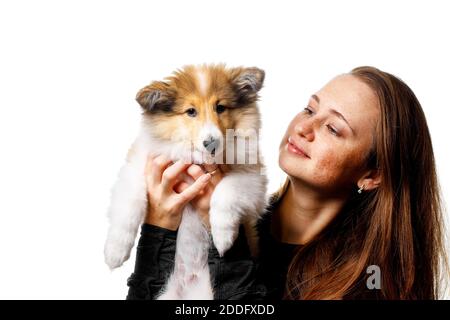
column 326, row 144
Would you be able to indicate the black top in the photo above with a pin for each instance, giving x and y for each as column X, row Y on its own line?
column 236, row 275
column 274, row 258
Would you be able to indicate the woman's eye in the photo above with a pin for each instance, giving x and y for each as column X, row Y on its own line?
column 220, row 108
column 191, row 112
column 332, row 130
column 308, row 111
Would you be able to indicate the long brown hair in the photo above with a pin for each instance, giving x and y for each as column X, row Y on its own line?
column 397, row 226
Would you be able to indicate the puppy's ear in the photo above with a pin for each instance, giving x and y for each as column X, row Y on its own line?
column 247, row 82
column 158, row 96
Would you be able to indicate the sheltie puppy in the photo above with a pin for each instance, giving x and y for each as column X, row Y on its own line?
column 204, row 114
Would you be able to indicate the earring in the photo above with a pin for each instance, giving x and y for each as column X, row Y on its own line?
column 360, row 190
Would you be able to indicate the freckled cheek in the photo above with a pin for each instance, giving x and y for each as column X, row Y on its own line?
column 325, row 170
column 335, row 168
column 329, row 167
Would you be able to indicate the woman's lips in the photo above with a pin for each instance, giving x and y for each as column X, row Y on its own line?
column 292, row 147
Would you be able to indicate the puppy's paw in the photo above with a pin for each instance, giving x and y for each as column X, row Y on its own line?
column 223, row 237
column 116, row 253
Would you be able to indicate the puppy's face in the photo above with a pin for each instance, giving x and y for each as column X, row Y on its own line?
column 196, row 106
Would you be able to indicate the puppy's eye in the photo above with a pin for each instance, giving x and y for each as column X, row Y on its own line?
column 191, row 112
column 220, row 108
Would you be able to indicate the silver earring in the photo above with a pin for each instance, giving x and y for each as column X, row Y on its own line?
column 360, row 190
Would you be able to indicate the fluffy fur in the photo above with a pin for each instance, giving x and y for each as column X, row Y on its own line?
column 167, row 128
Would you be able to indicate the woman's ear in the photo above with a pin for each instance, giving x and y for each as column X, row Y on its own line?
column 158, row 96
column 370, row 180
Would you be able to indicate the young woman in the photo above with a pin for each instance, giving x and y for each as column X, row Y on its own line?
column 361, row 200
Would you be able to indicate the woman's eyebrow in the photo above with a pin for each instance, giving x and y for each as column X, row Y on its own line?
column 335, row 112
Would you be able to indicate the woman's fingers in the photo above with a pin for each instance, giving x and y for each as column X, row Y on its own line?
column 148, row 164
column 195, row 171
column 216, row 173
column 181, row 186
column 170, row 175
column 193, row 190
column 161, row 173
column 155, row 168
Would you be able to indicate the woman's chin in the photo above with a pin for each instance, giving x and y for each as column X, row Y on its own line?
column 290, row 165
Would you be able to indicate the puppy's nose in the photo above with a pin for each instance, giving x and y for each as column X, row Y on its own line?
column 211, row 144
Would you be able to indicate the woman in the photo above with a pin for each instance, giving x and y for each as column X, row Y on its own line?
column 361, row 194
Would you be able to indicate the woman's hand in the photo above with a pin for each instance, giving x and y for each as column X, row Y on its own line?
column 201, row 202
column 165, row 205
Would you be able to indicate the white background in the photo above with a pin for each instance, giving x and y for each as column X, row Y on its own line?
column 69, row 72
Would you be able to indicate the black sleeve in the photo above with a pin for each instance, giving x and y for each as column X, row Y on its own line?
column 155, row 256
column 236, row 274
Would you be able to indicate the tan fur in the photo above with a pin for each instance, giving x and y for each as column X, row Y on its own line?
column 184, row 84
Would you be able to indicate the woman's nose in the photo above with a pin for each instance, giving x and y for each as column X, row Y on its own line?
column 305, row 129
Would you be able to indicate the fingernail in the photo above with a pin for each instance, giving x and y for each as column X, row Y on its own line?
column 205, row 177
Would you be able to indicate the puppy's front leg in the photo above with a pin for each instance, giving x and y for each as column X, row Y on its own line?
column 237, row 195
column 126, row 211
